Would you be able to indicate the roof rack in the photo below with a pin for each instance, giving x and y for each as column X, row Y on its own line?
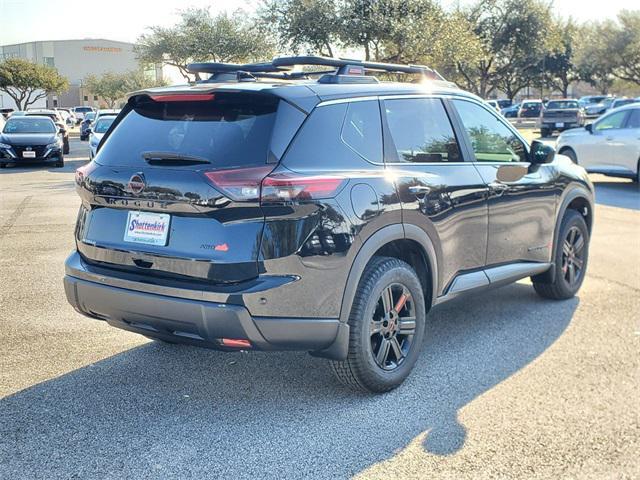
column 347, row 69
column 343, row 70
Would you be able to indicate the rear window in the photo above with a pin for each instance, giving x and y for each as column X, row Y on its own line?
column 561, row 104
column 230, row 131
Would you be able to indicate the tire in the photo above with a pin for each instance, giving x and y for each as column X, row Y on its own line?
column 371, row 333
column 60, row 163
column 3, row 165
column 637, row 177
column 65, row 146
column 571, row 258
column 568, row 152
column 544, row 132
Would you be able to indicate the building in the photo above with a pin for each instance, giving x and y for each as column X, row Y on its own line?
column 75, row 59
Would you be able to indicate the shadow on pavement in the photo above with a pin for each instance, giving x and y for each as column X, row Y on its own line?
column 621, row 194
column 171, row 411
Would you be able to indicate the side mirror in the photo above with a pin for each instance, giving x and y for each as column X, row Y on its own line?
column 88, row 130
column 589, row 127
column 541, row 153
column 62, row 130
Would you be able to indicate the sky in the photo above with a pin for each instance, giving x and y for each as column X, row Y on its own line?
column 125, row 20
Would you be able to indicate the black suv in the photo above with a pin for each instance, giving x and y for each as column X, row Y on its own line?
column 265, row 209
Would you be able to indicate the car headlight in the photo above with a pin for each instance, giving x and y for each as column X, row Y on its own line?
column 54, row 145
column 5, row 146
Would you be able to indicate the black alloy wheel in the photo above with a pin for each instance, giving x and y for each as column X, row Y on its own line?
column 573, row 250
column 392, row 327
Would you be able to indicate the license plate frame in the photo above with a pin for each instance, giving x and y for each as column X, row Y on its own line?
column 147, row 228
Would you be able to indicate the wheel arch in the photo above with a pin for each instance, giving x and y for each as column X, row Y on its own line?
column 406, row 242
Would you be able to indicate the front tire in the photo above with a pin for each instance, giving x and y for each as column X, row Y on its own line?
column 572, row 254
column 65, row 146
column 387, row 327
column 60, row 163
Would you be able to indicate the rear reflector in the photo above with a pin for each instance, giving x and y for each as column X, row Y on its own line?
column 236, row 343
column 287, row 187
column 187, row 97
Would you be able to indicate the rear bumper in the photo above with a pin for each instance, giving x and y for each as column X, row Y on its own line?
column 551, row 124
column 193, row 321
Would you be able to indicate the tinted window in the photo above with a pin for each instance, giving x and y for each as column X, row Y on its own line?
column 634, row 119
column 560, row 104
column 29, row 125
column 362, row 130
column 230, row 131
column 421, row 130
column 491, row 139
column 615, row 120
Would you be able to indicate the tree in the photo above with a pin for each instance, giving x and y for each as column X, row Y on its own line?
column 296, row 25
column 26, row 82
column 625, row 47
column 558, row 67
column 114, row 86
column 199, row 37
column 594, row 60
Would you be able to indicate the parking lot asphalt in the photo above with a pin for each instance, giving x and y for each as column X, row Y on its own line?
column 509, row 385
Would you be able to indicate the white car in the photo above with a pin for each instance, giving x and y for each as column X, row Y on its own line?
column 610, row 145
column 98, row 129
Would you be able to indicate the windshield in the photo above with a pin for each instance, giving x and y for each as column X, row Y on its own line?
column 620, row 103
column 560, row 104
column 531, row 105
column 29, row 125
column 90, row 116
column 83, row 109
column 103, row 124
column 233, row 130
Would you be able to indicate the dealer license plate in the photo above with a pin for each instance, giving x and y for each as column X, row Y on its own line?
column 148, row 228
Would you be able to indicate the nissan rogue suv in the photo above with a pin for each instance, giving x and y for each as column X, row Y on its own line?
column 268, row 209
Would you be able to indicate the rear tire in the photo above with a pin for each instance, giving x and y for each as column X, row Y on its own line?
column 571, row 257
column 384, row 343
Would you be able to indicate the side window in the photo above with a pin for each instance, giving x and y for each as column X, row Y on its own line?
column 421, row 130
column 634, row 119
column 615, row 120
column 492, row 140
column 362, row 129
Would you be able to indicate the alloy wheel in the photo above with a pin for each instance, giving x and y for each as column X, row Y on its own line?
column 573, row 255
column 392, row 327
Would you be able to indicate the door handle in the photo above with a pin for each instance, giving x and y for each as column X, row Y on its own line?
column 498, row 187
column 608, row 139
column 419, row 190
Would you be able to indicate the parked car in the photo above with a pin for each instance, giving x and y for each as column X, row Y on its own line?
column 621, row 102
column 68, row 115
column 96, row 132
column 560, row 115
column 511, row 112
column 80, row 112
column 493, row 104
column 594, row 110
column 504, row 103
column 610, row 146
column 261, row 215
column 85, row 125
column 57, row 119
column 591, row 100
column 530, row 109
column 30, row 139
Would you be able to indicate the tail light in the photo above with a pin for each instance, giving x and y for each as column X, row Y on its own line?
column 240, row 184
column 289, row 187
column 83, row 171
column 246, row 184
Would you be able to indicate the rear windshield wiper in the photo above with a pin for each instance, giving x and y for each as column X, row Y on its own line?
column 172, row 158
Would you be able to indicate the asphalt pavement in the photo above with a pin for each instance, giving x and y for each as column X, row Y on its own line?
column 508, row 386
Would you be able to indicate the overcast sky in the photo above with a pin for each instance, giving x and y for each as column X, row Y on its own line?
column 125, row 20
